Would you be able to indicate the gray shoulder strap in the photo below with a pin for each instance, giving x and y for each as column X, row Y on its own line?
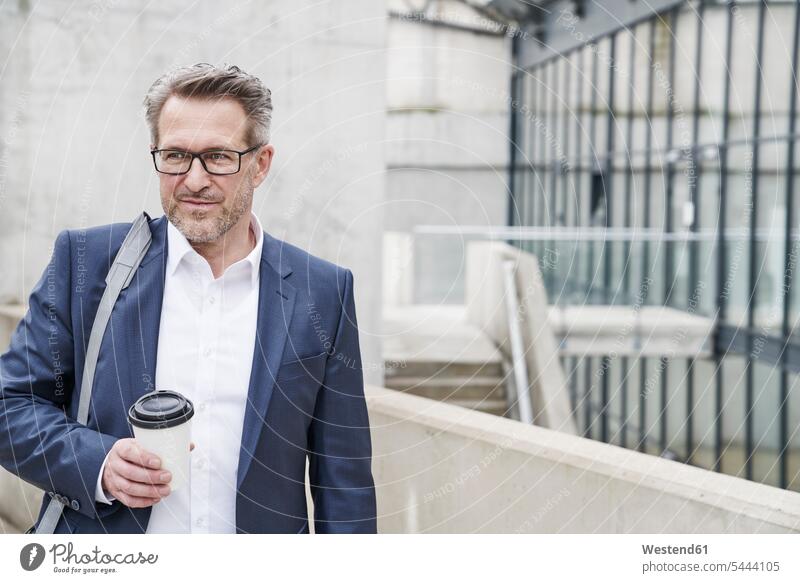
column 119, row 276
column 127, row 260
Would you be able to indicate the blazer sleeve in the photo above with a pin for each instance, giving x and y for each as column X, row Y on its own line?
column 39, row 442
column 340, row 450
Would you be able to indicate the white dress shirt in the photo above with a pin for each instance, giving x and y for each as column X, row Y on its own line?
column 205, row 352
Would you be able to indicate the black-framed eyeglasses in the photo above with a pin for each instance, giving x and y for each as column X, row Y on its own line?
column 217, row 162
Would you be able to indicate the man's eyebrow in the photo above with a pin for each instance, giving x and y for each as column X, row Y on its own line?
column 184, row 149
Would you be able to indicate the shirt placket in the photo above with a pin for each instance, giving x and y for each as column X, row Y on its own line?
column 209, row 310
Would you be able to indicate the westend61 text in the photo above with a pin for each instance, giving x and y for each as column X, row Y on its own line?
column 673, row 550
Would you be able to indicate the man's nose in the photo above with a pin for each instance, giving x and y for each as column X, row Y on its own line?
column 197, row 178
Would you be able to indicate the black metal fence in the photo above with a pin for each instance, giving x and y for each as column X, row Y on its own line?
column 683, row 121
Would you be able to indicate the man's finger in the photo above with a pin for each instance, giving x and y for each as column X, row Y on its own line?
column 134, row 501
column 136, row 473
column 135, row 454
column 141, row 490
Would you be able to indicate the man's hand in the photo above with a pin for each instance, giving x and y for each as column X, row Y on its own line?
column 133, row 475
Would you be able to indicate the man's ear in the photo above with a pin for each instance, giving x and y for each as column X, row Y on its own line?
column 264, row 157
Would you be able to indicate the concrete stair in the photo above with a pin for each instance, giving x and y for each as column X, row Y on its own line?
column 430, row 351
column 479, row 391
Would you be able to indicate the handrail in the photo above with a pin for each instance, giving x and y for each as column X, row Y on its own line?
column 598, row 233
column 521, row 383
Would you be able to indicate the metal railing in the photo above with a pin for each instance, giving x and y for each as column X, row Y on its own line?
column 519, row 367
column 593, row 145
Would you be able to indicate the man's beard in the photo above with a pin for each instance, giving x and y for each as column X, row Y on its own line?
column 197, row 226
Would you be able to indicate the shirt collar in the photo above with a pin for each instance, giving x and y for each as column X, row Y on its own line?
column 179, row 249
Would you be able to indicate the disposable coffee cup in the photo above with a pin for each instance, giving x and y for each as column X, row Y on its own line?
column 162, row 424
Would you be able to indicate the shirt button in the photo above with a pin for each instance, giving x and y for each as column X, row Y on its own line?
column 201, row 464
column 211, row 300
column 199, row 522
column 201, row 407
column 207, row 352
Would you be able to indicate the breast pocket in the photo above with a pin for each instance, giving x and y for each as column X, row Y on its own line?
column 310, row 367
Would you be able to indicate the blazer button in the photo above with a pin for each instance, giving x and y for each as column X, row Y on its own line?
column 51, row 494
column 75, row 505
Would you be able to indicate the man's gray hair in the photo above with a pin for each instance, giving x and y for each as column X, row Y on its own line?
column 204, row 81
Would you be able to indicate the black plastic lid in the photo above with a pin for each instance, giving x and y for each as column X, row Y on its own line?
column 160, row 410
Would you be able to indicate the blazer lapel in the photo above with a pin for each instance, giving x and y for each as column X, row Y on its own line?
column 276, row 301
column 141, row 318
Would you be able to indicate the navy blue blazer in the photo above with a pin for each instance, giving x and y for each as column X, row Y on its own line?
column 305, row 398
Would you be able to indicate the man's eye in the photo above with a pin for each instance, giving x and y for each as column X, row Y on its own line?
column 219, row 157
column 175, row 156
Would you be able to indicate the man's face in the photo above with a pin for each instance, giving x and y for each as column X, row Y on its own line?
column 204, row 206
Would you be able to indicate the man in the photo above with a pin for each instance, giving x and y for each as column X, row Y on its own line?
column 260, row 335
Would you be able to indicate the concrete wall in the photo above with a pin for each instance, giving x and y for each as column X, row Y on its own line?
column 442, row 468
column 74, row 146
column 447, row 135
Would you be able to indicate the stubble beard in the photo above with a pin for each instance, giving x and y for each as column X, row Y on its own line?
column 198, row 227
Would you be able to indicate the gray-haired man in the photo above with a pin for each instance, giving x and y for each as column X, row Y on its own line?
column 259, row 334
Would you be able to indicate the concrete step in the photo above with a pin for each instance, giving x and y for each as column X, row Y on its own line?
column 433, row 352
column 447, row 388
column 493, row 405
column 434, row 368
